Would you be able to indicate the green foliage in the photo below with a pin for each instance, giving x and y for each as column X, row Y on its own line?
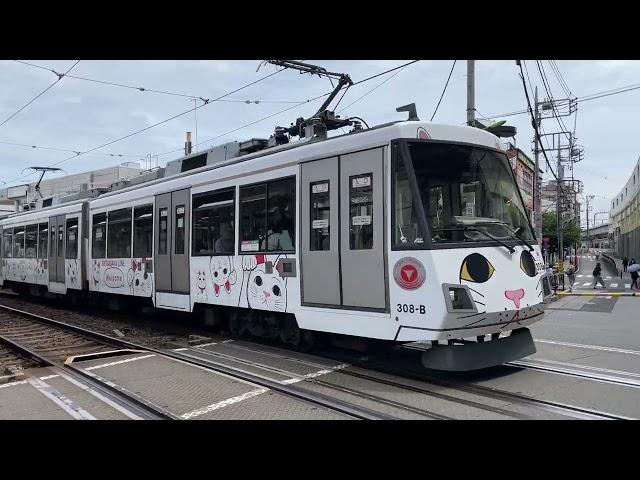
column 570, row 232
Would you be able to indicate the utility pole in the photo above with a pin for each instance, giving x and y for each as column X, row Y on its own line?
column 537, row 201
column 587, row 198
column 471, row 93
column 559, row 210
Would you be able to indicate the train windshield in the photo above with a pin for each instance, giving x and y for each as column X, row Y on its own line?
column 468, row 195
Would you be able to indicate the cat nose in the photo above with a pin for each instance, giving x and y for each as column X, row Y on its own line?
column 515, row 296
column 266, row 293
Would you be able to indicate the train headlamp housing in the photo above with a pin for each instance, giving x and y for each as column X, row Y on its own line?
column 458, row 298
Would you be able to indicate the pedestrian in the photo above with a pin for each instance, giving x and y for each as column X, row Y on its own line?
column 634, row 280
column 625, row 262
column 571, row 276
column 597, row 277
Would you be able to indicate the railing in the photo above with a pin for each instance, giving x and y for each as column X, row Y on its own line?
column 611, row 263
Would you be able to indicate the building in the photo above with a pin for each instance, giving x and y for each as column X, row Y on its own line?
column 16, row 197
column 625, row 217
column 524, row 169
column 570, row 206
column 600, row 237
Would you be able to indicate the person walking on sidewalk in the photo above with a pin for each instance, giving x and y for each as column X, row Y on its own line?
column 625, row 262
column 571, row 276
column 634, row 280
column 597, row 276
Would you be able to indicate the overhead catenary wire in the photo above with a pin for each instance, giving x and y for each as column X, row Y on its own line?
column 68, row 150
column 60, row 77
column 443, row 91
column 153, row 125
column 163, row 92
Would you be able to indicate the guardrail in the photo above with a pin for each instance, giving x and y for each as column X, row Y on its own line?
column 611, row 263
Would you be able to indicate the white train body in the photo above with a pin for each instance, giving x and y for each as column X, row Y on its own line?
column 340, row 245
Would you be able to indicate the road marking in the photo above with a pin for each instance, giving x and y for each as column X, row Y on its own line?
column 589, row 347
column 607, row 278
column 613, row 285
column 202, row 345
column 580, row 276
column 11, row 384
column 101, row 397
column 223, row 403
column 119, row 362
column 59, row 399
column 627, row 285
column 608, row 297
column 254, row 393
column 586, row 284
column 179, row 349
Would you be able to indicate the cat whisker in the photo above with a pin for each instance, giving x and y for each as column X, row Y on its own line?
column 472, row 315
column 477, row 321
column 476, row 292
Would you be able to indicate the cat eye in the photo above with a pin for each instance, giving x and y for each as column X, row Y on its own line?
column 276, row 290
column 215, row 274
column 527, row 264
column 258, row 281
column 476, row 268
column 224, row 271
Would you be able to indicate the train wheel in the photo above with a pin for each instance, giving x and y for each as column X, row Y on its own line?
column 290, row 333
column 236, row 325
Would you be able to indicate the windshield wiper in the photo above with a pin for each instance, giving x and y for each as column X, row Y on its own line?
column 524, row 242
column 508, row 247
column 511, row 231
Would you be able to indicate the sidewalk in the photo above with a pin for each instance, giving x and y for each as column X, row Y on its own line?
column 625, row 276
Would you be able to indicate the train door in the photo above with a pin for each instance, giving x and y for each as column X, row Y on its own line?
column 56, row 249
column 172, row 214
column 343, row 231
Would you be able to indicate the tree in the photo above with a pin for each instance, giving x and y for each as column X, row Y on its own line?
column 570, row 231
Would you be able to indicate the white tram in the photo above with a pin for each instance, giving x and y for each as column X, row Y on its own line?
column 404, row 232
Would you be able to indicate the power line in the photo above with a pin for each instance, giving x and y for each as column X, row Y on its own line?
column 385, row 72
column 399, row 69
column 444, row 90
column 65, row 149
column 535, row 127
column 155, row 124
column 60, row 77
column 163, row 92
column 547, row 87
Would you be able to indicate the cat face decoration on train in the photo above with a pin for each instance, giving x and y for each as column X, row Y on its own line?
column 476, row 270
column 266, row 291
column 223, row 274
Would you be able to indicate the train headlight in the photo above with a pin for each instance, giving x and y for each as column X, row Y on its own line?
column 458, row 298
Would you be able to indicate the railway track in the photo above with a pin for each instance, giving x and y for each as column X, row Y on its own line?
column 29, row 334
column 323, row 392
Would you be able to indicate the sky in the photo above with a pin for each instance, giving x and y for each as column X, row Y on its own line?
column 79, row 115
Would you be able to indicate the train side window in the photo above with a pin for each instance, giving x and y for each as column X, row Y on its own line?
column 214, row 223
column 142, row 231
column 179, row 227
column 31, row 242
column 361, row 211
column 281, row 208
column 72, row 238
column 52, row 240
column 119, row 233
column 320, row 216
column 60, row 240
column 18, row 242
column 7, row 243
column 162, row 233
column 253, row 217
column 43, row 237
column 267, row 217
column 99, row 236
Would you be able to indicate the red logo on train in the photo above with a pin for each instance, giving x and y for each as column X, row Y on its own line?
column 409, row 273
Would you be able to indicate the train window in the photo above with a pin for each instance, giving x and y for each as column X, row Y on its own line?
column 119, row 233
column 253, row 217
column 60, row 240
column 267, row 221
column 43, row 236
column 99, row 236
column 18, row 242
column 281, row 207
column 52, row 240
column 214, row 223
column 142, row 231
column 7, row 244
column 72, row 238
column 179, row 227
column 320, row 216
column 361, row 211
column 31, row 242
column 162, row 234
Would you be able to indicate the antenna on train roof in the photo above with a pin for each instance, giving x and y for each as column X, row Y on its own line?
column 323, row 120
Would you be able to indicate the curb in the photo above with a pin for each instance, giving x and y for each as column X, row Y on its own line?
column 598, row 294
